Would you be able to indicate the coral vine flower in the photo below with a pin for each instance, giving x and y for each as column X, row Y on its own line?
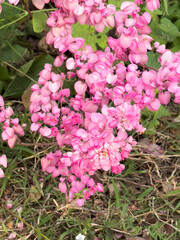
column 91, row 124
column 3, row 162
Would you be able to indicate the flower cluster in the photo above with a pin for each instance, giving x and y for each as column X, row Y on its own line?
column 92, row 127
column 11, row 127
column 168, row 76
column 151, row 4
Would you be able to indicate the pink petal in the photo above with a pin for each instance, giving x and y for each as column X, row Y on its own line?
column 11, row 141
column 1, row 173
column 99, row 187
column 80, row 87
column 3, row 160
column 70, row 63
column 54, row 87
column 80, row 202
column 62, row 187
column 164, row 98
column 35, row 97
column 10, row 131
column 155, row 105
column 1, row 101
column 38, row 4
column 85, row 179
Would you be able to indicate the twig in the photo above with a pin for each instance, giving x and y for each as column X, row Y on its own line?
column 26, row 7
column 178, row 230
column 115, row 230
column 27, row 224
column 17, row 70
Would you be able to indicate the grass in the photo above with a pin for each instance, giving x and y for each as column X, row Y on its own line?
column 142, row 202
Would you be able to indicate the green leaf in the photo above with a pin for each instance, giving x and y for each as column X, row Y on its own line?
column 177, row 23
column 177, row 206
column 39, row 21
column 174, row 8
column 151, row 129
column 153, row 60
column 162, row 112
column 92, row 38
column 25, row 68
column 136, row 230
column 2, row 84
column 38, row 65
column 116, row 191
column 129, row 168
column 166, row 6
column 145, row 193
column 124, row 210
column 4, row 74
column 38, row 185
column 176, row 43
column 66, row 233
column 8, row 175
column 174, row 193
column 4, row 228
column 116, row 3
column 20, row 84
column 167, row 31
column 13, row 53
column 38, row 231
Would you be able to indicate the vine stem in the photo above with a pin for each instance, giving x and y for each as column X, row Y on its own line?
column 33, row 144
column 27, row 8
column 44, row 10
column 10, row 5
column 9, row 65
column 18, row 19
column 150, row 68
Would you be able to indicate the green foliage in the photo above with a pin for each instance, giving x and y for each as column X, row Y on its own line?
column 150, row 119
column 145, row 193
column 116, row 3
column 13, row 53
column 39, row 21
column 94, row 39
column 4, row 76
column 167, row 31
column 153, row 60
column 165, row 24
column 8, row 175
column 4, row 73
column 20, row 83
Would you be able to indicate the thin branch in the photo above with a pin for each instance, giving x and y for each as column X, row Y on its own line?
column 27, row 8
column 17, row 70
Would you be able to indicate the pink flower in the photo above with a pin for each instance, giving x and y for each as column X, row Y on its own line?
column 62, row 187
column 155, row 105
column 80, row 202
column 20, row 225
column 164, row 97
column 39, row 3
column 70, row 63
column 14, row 2
column 12, row 141
column 99, row 187
column 152, row 4
column 80, row 87
column 1, row 173
column 3, row 161
column 9, row 204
